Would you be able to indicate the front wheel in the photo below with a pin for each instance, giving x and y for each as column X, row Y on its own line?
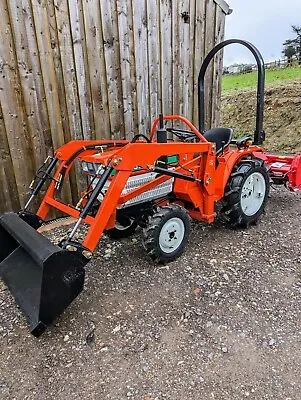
column 166, row 234
column 246, row 193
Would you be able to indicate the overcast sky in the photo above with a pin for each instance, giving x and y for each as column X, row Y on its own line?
column 265, row 23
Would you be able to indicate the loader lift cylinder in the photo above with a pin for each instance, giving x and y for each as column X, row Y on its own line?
column 43, row 179
column 92, row 199
column 259, row 135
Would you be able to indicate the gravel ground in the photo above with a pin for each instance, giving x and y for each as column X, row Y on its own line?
column 221, row 322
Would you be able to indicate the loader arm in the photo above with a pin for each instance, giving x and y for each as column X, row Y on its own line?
column 124, row 160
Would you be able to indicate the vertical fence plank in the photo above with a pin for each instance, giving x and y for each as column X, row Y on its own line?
column 112, row 57
column 178, row 68
column 81, row 70
column 155, row 98
column 97, row 68
column 166, row 41
column 218, row 67
column 70, row 79
column 68, row 65
column 187, row 56
column 127, row 64
column 13, row 111
column 140, row 37
column 40, row 14
column 56, row 56
column 209, row 44
column 45, row 46
column 32, row 84
column 184, row 58
column 183, row 20
column 9, row 198
column 70, row 188
column 27, row 55
column 191, row 77
column 199, row 51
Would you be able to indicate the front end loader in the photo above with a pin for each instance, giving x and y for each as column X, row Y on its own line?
column 158, row 182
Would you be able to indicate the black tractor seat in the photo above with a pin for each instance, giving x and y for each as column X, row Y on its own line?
column 222, row 137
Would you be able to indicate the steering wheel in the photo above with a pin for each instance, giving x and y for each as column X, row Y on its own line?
column 182, row 134
column 136, row 137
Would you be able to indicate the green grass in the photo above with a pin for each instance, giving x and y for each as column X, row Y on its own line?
column 233, row 82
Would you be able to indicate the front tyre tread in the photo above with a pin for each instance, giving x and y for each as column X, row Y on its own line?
column 151, row 233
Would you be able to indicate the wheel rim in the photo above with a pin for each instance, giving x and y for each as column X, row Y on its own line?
column 121, row 227
column 253, row 194
column 171, row 235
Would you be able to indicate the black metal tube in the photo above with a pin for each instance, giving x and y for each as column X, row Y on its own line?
column 161, row 131
column 41, row 182
column 174, row 174
column 162, row 138
column 98, row 188
column 45, row 176
column 91, row 147
column 259, row 135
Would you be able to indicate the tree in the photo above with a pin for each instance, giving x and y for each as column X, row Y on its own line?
column 297, row 31
column 226, row 71
column 244, row 68
column 292, row 47
column 289, row 50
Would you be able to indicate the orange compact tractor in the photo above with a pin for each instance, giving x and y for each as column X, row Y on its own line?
column 157, row 182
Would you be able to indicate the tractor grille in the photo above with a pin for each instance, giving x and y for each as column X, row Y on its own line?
column 135, row 181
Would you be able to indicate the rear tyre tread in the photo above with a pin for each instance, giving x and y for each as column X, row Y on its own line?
column 232, row 211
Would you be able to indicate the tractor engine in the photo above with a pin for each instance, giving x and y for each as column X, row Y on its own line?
column 94, row 171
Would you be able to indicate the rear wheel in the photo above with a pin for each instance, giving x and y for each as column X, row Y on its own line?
column 246, row 193
column 166, row 233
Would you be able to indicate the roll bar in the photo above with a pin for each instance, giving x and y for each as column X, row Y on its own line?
column 259, row 134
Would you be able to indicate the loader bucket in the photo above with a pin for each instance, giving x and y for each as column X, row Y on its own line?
column 43, row 278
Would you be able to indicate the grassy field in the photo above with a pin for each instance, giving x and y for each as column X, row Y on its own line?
column 233, row 82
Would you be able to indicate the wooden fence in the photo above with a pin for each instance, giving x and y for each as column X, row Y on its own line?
column 74, row 69
column 238, row 69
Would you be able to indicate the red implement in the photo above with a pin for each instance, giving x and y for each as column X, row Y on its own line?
column 284, row 170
